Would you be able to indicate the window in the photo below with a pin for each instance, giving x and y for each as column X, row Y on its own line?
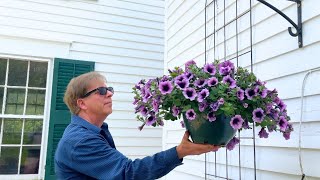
column 22, row 102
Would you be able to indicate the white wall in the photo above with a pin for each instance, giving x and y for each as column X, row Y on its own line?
column 276, row 60
column 124, row 37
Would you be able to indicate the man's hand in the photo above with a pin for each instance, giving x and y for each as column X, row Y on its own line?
column 186, row 147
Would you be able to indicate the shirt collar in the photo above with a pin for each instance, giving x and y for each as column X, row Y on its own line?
column 82, row 122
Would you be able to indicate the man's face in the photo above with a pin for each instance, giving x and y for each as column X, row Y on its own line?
column 98, row 103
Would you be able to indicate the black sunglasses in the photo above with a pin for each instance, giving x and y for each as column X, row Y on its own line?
column 101, row 90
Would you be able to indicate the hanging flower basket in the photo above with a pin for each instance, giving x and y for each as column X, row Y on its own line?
column 215, row 101
column 218, row 132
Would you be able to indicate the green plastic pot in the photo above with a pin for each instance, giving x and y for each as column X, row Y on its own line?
column 202, row 131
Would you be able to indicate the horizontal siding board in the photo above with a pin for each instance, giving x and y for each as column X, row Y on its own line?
column 289, row 63
column 74, row 12
column 35, row 47
column 138, row 151
column 293, row 85
column 107, row 8
column 123, row 78
column 116, row 51
column 134, row 141
column 150, row 6
column 117, row 114
column 121, row 132
column 179, row 12
column 103, row 59
column 69, row 29
column 172, row 6
column 124, row 123
column 112, row 68
column 78, row 21
column 185, row 24
column 246, row 173
column 121, row 44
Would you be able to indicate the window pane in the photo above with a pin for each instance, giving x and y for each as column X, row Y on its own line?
column 17, row 73
column 9, row 160
column 12, row 131
column 35, row 102
column 38, row 74
column 15, row 101
column 32, row 132
column 30, row 160
column 3, row 67
column 1, row 98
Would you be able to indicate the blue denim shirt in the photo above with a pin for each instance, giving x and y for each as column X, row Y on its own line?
column 88, row 152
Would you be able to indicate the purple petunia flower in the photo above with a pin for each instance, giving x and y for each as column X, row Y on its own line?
column 182, row 84
column 214, row 106
column 146, row 96
column 155, row 105
column 274, row 113
column 188, row 75
column 165, row 87
column 212, row 81
column 286, row 135
column 264, row 93
column 281, row 106
column 250, row 93
column 202, row 106
column 228, row 79
column 232, row 143
column 283, row 123
column 180, row 78
column 210, row 68
column 188, row 64
column 240, row 94
column 211, row 116
column 139, row 84
column 268, row 108
column 190, row 93
column 260, row 83
column 203, row 94
column 258, row 115
column 236, row 122
column 263, row 133
column 220, row 101
column 175, row 111
column 150, row 120
column 191, row 115
column 135, row 101
column 164, row 78
column 200, row 82
column 276, row 100
column 271, row 128
column 226, row 68
column 182, row 124
column 143, row 110
column 245, row 125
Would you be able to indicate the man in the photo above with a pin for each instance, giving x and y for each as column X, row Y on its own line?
column 86, row 149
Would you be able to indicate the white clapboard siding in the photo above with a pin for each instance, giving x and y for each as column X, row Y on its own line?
column 276, row 60
column 124, row 37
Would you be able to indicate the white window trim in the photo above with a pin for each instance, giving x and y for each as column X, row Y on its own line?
column 45, row 117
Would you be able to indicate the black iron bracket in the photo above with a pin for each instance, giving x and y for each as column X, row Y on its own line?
column 298, row 26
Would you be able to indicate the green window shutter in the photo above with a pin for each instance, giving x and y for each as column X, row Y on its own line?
column 64, row 71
